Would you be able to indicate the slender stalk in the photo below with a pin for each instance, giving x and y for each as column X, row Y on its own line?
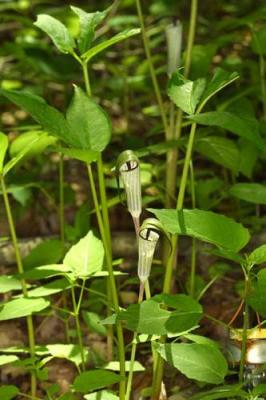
column 86, row 78
column 30, row 327
column 76, row 315
column 193, row 249
column 261, row 72
column 191, row 35
column 113, row 289
column 151, row 67
column 133, row 350
column 61, row 200
column 244, row 334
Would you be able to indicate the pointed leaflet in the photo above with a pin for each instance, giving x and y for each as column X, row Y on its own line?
column 251, row 192
column 258, row 256
column 87, row 24
column 109, row 42
column 256, row 297
column 95, row 379
column 207, row 226
column 246, row 127
column 3, row 149
column 48, row 117
column 86, row 257
column 184, row 93
column 89, row 122
column 21, row 308
column 57, row 32
column 8, row 392
column 197, row 361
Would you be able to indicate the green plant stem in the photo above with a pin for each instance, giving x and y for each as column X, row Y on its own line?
column 61, row 200
column 76, row 314
column 151, row 67
column 30, row 327
column 113, row 289
column 133, row 350
column 193, row 249
column 262, row 83
column 245, row 328
column 86, row 78
column 191, row 36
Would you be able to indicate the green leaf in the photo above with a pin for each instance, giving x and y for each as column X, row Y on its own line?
column 48, row 117
column 47, row 252
column 220, row 80
column 101, row 395
column 88, row 55
column 21, row 194
column 8, row 283
column 248, row 157
column 149, row 318
column 93, row 322
column 251, row 192
column 207, row 226
column 247, row 128
column 197, row 361
column 88, row 156
column 259, row 41
column 221, row 150
column 223, row 392
column 7, row 359
column 258, row 256
column 69, row 352
column 8, row 392
column 3, row 149
column 18, row 145
column 184, row 93
column 21, row 307
column 87, row 23
column 95, row 379
column 86, row 257
column 50, row 288
column 115, row 366
column 256, row 298
column 57, row 32
column 94, row 131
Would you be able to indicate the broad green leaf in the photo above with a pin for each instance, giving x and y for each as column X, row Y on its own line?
column 207, row 226
column 88, row 55
column 94, row 380
column 70, row 352
column 101, row 395
column 259, row 41
column 197, row 361
column 208, row 192
column 256, row 298
column 258, row 256
column 57, row 32
column 48, row 117
column 47, row 252
column 3, row 149
column 184, row 93
column 88, row 156
column 201, row 340
column 115, row 366
column 87, row 24
column 21, row 308
column 8, row 283
column 93, row 322
column 24, row 139
column 50, row 288
column 248, row 157
column 15, row 160
column 8, row 392
column 223, row 392
column 251, row 192
column 247, row 128
column 149, row 318
column 86, row 257
column 21, row 194
column 220, row 80
column 221, row 150
column 94, row 128
column 46, row 271
column 7, row 359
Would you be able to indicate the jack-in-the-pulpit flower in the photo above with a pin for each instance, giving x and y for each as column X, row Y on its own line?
column 149, row 234
column 174, row 45
column 128, row 168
